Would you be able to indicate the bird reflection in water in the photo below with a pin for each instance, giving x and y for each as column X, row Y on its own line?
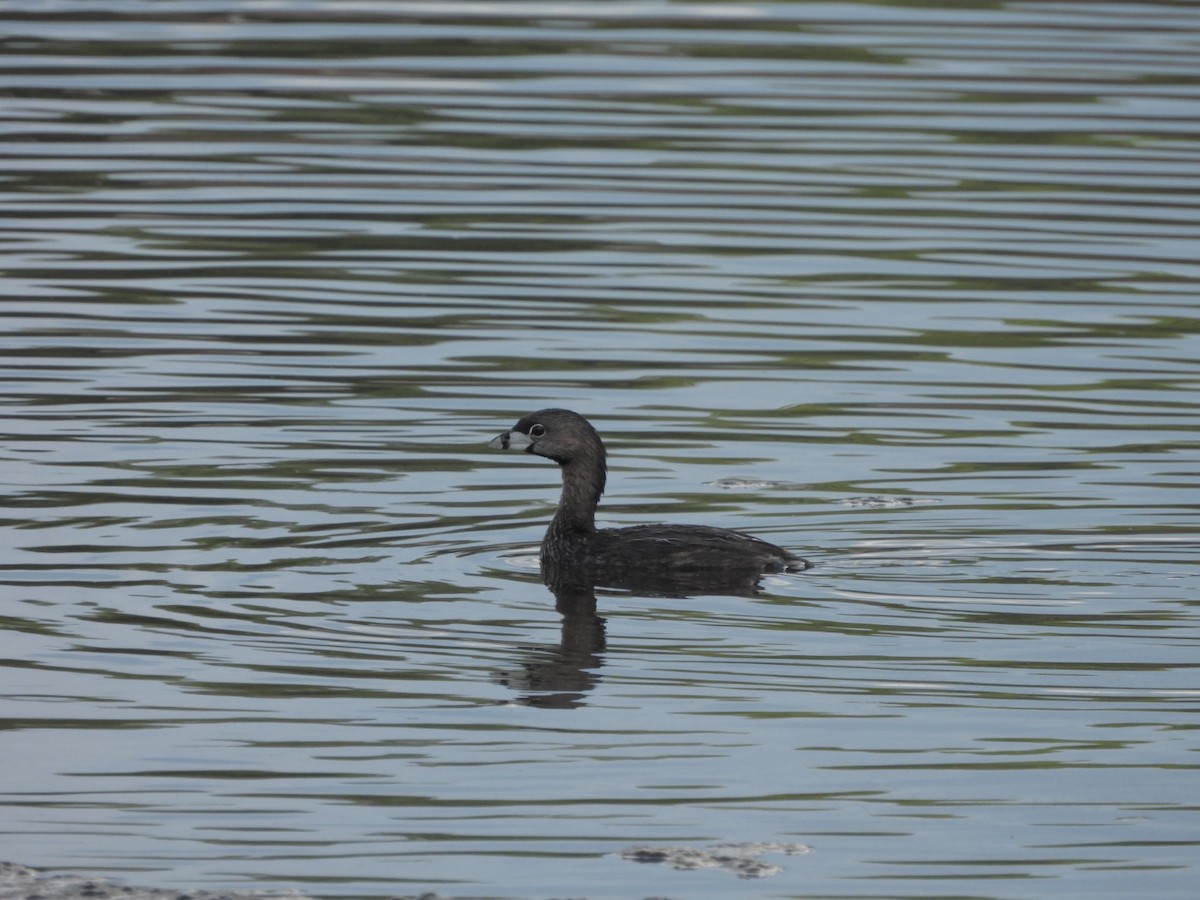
column 561, row 676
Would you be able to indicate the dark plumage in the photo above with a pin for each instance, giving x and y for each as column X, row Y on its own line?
column 691, row 556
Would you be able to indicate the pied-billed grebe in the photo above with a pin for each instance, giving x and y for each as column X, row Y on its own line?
column 573, row 542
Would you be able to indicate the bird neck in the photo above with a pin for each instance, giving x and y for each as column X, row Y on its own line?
column 582, row 484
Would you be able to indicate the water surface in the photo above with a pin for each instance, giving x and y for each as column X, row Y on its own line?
column 909, row 290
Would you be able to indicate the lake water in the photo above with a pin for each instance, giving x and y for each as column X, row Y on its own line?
column 909, row 290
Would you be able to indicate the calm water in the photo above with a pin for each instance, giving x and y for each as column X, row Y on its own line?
column 909, row 290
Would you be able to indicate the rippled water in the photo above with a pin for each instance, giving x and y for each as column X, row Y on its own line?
column 909, row 290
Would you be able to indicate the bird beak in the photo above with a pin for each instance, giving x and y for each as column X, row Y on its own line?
column 510, row 440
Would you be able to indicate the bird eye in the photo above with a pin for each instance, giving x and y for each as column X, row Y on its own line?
column 537, row 430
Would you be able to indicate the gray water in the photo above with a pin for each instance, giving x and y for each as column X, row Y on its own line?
column 909, row 290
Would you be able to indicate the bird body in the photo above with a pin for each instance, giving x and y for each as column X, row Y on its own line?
column 693, row 556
